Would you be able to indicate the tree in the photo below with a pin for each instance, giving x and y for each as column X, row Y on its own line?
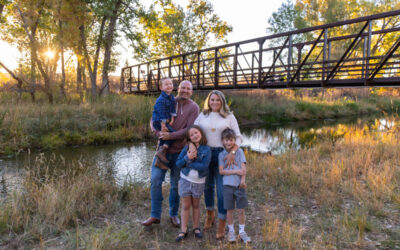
column 288, row 17
column 167, row 29
column 108, row 42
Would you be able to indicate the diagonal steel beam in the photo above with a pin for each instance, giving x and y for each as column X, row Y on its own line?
column 385, row 59
column 224, row 70
column 345, row 54
column 275, row 59
column 308, row 55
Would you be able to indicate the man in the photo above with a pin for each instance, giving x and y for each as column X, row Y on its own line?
column 187, row 111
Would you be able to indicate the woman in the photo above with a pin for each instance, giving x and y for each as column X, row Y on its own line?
column 216, row 117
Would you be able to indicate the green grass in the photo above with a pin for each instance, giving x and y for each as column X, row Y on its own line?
column 43, row 126
column 125, row 118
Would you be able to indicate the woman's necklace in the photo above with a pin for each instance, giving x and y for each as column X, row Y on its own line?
column 213, row 127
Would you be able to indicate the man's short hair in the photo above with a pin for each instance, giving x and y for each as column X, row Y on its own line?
column 228, row 134
column 186, row 81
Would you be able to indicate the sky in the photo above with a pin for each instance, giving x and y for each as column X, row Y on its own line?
column 249, row 19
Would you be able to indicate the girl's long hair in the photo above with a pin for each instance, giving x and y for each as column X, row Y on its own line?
column 203, row 140
column 224, row 110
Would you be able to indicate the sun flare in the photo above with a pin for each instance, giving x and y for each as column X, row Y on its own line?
column 49, row 54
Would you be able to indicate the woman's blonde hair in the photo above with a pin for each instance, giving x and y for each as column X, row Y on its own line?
column 224, row 110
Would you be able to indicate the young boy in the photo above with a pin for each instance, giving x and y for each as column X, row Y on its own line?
column 234, row 182
column 163, row 117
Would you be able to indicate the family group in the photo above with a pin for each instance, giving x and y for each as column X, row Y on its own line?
column 201, row 151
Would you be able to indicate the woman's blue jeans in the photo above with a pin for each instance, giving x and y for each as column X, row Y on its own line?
column 214, row 179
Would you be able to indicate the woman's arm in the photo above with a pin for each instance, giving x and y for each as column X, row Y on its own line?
column 230, row 158
column 235, row 127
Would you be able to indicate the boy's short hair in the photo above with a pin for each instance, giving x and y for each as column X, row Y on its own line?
column 228, row 134
column 164, row 79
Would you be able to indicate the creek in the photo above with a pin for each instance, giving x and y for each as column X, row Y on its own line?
column 132, row 161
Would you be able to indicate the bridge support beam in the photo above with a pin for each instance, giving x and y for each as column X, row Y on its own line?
column 260, row 53
column 216, row 68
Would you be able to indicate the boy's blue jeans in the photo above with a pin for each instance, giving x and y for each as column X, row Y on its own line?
column 157, row 126
column 157, row 178
column 214, row 179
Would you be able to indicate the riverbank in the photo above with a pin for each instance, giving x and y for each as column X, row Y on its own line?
column 332, row 195
column 42, row 126
column 28, row 126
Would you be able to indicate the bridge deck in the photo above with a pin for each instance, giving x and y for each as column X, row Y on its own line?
column 364, row 54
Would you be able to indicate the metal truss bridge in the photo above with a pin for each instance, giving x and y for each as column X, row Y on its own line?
column 352, row 53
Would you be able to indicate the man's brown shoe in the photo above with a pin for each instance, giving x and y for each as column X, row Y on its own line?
column 175, row 221
column 150, row 221
column 160, row 164
column 162, row 154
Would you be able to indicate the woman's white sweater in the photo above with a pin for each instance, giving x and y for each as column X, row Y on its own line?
column 213, row 124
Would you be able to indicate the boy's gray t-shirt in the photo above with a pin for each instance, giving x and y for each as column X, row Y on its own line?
column 232, row 180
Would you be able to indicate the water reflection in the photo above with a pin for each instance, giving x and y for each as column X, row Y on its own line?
column 274, row 141
column 120, row 162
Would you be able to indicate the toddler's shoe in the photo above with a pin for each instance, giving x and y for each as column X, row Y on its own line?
column 162, row 154
column 231, row 237
column 160, row 164
column 245, row 238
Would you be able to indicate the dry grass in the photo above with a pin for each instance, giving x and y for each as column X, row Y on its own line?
column 342, row 195
column 332, row 195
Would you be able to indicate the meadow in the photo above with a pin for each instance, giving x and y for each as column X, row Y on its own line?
column 335, row 194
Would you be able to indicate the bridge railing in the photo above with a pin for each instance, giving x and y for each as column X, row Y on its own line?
column 357, row 52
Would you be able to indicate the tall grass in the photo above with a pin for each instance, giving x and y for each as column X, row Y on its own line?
column 339, row 195
column 47, row 126
column 52, row 202
column 332, row 195
column 125, row 118
column 263, row 107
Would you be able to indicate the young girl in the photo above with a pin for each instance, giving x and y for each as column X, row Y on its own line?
column 194, row 169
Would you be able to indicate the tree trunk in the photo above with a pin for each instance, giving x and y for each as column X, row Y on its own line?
column 1, row 10
column 93, row 71
column 18, row 79
column 62, row 85
column 39, row 64
column 32, row 84
column 79, row 78
column 109, row 39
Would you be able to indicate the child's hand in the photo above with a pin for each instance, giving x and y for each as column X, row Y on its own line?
column 192, row 154
column 172, row 121
column 241, row 171
column 243, row 185
column 164, row 127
